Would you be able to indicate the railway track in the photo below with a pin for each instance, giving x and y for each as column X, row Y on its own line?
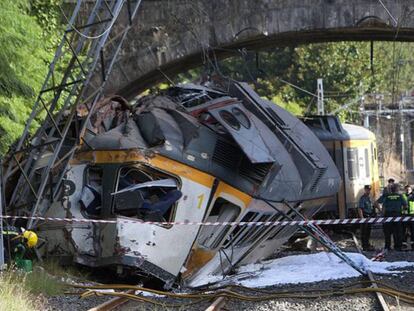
column 380, row 297
column 219, row 303
column 113, row 303
column 210, row 300
column 252, row 295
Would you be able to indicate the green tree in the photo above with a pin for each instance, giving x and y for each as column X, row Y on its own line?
column 288, row 75
column 25, row 51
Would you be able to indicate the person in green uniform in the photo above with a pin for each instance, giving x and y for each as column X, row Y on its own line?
column 408, row 227
column 393, row 204
column 16, row 242
column 365, row 210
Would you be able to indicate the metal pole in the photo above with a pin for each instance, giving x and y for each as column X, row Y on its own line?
column 321, row 106
column 1, row 220
column 402, row 129
column 366, row 120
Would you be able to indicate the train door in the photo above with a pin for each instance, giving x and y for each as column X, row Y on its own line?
column 341, row 196
column 365, row 169
column 351, row 174
column 374, row 171
column 226, row 206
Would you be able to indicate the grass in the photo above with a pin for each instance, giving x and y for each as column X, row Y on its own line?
column 53, row 267
column 41, row 282
column 14, row 296
column 20, row 291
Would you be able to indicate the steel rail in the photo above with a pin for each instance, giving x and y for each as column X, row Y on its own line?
column 380, row 297
column 113, row 303
column 217, row 305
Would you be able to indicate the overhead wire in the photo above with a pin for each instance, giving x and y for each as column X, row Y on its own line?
column 114, row 18
column 388, row 12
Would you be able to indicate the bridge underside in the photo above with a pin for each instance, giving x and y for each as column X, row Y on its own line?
column 173, row 36
column 174, row 67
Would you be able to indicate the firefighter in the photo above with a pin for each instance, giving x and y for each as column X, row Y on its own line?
column 392, row 205
column 365, row 210
column 408, row 227
column 16, row 242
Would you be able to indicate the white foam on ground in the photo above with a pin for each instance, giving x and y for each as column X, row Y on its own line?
column 307, row 269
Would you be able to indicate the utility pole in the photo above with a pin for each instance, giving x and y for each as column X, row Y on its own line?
column 365, row 115
column 321, row 104
column 401, row 107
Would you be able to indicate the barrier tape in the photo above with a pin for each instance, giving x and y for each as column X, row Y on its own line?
column 347, row 221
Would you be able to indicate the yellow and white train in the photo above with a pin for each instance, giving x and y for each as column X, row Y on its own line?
column 354, row 151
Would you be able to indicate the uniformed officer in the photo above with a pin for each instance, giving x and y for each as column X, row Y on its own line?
column 392, row 205
column 365, row 210
column 408, row 227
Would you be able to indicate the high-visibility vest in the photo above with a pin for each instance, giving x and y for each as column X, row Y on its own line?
column 410, row 206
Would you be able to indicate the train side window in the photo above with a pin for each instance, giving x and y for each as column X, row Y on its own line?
column 146, row 194
column 366, row 163
column 274, row 233
column 257, row 231
column 326, row 123
column 353, row 163
column 223, row 211
column 91, row 197
column 240, row 231
column 315, row 123
column 372, row 153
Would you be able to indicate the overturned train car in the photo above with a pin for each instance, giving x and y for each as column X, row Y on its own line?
column 197, row 154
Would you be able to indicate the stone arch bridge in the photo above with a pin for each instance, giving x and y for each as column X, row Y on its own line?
column 170, row 36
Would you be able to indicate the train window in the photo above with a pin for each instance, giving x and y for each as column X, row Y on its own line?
column 315, row 123
column 372, row 153
column 276, row 230
column 338, row 127
column 366, row 163
column 326, row 123
column 222, row 211
column 146, row 194
column 256, row 231
column 91, row 196
column 240, row 231
column 230, row 119
column 353, row 164
column 241, row 117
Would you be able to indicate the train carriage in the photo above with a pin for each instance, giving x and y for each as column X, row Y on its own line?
column 354, row 151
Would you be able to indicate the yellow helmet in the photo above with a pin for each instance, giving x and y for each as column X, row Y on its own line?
column 31, row 238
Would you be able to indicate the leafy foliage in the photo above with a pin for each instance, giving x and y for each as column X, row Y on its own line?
column 25, row 50
column 288, row 75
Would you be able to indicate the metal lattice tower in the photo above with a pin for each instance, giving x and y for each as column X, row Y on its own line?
column 88, row 53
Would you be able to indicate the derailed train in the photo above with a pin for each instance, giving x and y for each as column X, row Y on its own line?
column 224, row 149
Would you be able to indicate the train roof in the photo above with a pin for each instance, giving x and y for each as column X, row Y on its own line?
column 330, row 128
column 242, row 139
column 357, row 132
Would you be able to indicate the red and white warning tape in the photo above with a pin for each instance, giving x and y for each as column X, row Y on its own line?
column 232, row 223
